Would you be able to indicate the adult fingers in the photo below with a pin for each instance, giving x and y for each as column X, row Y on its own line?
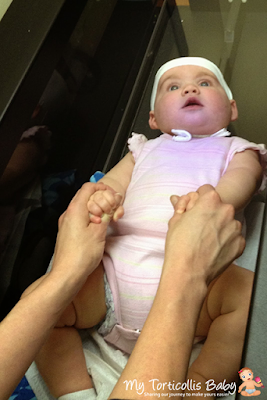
column 210, row 199
column 118, row 213
column 182, row 204
column 205, row 189
column 239, row 240
column 175, row 202
column 174, row 199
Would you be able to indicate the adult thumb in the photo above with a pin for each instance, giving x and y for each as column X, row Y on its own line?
column 174, row 200
column 205, row 189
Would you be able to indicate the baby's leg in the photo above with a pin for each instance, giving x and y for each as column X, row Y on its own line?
column 61, row 361
column 223, row 320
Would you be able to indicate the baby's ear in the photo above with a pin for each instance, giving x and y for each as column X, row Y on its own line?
column 152, row 120
column 234, row 109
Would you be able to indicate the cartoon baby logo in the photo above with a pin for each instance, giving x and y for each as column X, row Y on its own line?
column 248, row 387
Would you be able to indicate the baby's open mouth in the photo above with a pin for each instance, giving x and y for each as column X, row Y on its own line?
column 192, row 102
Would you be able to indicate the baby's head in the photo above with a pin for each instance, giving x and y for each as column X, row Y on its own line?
column 246, row 374
column 190, row 93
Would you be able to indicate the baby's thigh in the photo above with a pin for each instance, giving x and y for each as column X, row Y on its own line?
column 89, row 303
column 228, row 293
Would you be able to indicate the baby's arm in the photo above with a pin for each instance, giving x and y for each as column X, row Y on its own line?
column 105, row 202
column 241, row 180
column 241, row 387
column 236, row 186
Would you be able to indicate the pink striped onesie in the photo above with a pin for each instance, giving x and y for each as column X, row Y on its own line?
column 134, row 251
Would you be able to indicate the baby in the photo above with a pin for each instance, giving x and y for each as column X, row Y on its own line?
column 246, row 375
column 192, row 106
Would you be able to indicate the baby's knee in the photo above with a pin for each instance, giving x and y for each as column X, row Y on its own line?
column 238, row 298
column 231, row 292
column 242, row 289
column 81, row 316
column 67, row 318
column 58, row 343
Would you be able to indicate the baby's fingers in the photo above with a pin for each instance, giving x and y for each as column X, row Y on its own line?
column 108, row 201
column 94, row 208
column 105, row 200
column 102, row 202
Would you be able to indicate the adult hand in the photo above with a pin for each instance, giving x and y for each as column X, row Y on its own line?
column 207, row 237
column 80, row 243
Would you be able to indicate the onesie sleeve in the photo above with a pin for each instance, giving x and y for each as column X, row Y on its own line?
column 238, row 145
column 136, row 144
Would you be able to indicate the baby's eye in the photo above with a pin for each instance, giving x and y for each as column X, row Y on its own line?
column 174, row 87
column 243, row 376
column 204, row 83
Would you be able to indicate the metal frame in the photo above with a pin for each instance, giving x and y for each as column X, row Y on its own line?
column 140, row 73
column 254, row 353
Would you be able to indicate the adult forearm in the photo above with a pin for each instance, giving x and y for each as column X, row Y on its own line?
column 27, row 326
column 79, row 249
column 163, row 350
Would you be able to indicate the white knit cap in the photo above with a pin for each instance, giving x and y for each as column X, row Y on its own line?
column 177, row 62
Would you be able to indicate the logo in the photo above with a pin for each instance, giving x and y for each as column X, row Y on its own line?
column 249, row 387
column 190, row 388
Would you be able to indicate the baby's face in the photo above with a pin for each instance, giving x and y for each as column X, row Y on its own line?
column 246, row 375
column 191, row 98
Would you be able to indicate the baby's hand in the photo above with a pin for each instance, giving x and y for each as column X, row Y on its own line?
column 105, row 204
column 186, row 202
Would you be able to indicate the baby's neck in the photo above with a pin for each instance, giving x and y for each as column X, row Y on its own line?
column 182, row 135
column 200, row 136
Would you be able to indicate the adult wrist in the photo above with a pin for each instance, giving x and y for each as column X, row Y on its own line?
column 181, row 274
column 59, row 289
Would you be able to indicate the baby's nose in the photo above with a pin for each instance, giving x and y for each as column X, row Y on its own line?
column 190, row 88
